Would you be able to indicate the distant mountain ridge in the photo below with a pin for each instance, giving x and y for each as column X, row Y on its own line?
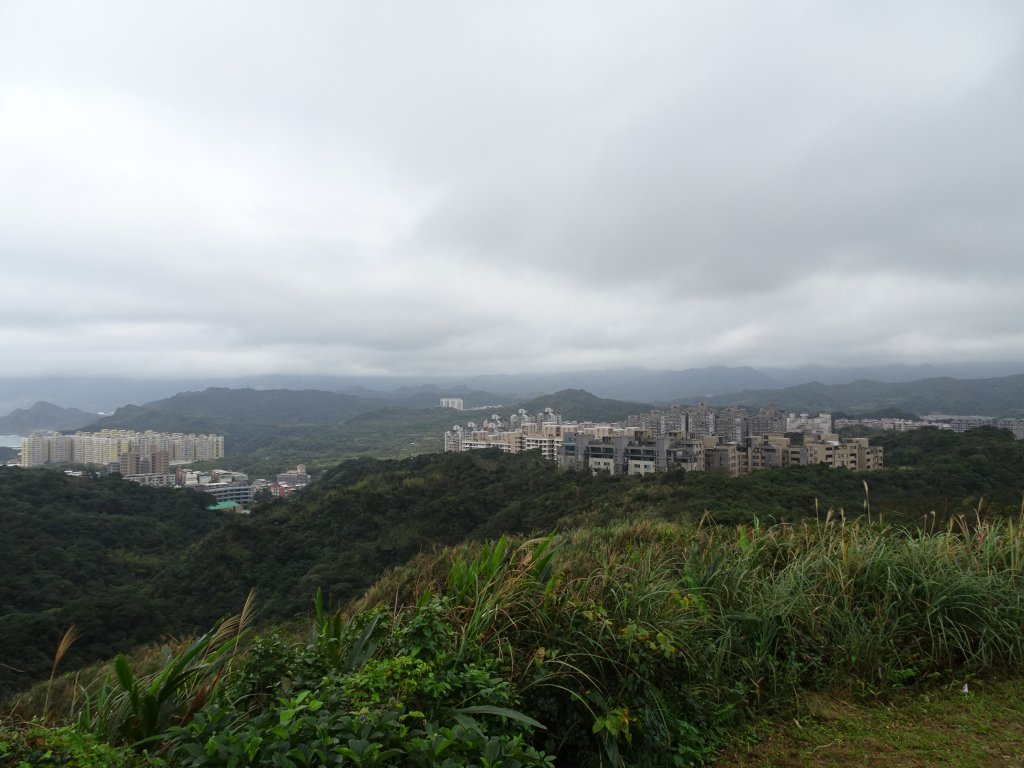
column 429, row 395
column 223, row 410
column 44, row 416
column 299, row 425
column 630, row 383
column 106, row 393
column 1001, row 396
column 222, row 407
column 247, row 413
column 890, row 374
column 580, row 405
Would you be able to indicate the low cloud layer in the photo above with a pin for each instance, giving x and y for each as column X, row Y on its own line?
column 234, row 188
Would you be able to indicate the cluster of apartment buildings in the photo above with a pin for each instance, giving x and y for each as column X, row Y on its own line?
column 732, row 423
column 154, row 451
column 938, row 421
column 522, row 432
column 729, row 440
column 641, row 454
column 158, row 459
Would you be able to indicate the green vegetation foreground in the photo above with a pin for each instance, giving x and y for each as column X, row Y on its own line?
column 631, row 645
column 128, row 565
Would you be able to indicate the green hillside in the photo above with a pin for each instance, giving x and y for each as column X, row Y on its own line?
column 380, row 513
column 152, row 561
column 266, row 430
column 579, row 405
column 237, row 412
column 636, row 645
column 80, row 550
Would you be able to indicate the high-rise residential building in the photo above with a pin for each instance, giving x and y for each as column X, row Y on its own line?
column 768, row 421
column 128, row 463
column 35, row 450
column 814, row 425
column 660, row 423
column 701, row 420
column 732, row 424
column 160, row 462
column 155, row 450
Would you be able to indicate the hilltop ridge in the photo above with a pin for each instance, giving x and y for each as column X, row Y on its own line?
column 44, row 416
column 1001, row 396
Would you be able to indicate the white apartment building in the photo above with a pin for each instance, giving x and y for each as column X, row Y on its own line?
column 544, row 432
column 811, row 425
column 35, row 450
column 1016, row 426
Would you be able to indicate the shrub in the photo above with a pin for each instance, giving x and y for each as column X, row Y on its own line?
column 41, row 747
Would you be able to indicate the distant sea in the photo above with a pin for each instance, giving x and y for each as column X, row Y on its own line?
column 10, row 441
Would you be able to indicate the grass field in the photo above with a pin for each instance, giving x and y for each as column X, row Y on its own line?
column 982, row 728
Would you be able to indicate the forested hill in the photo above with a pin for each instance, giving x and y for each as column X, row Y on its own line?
column 128, row 564
column 580, row 405
column 236, row 409
column 265, row 430
column 1002, row 396
column 43, row 416
column 222, row 410
column 81, row 550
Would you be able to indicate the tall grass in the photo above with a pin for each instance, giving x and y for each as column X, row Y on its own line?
column 66, row 641
column 137, row 709
column 636, row 644
column 649, row 636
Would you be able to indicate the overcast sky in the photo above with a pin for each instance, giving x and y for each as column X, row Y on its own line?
column 430, row 187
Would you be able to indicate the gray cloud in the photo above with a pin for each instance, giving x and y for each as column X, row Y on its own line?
column 342, row 187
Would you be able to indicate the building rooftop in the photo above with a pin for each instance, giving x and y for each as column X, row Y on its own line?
column 225, row 506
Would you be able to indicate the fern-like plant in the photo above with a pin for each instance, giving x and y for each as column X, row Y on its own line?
column 138, row 709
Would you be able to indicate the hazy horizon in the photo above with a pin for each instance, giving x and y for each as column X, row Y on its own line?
column 95, row 394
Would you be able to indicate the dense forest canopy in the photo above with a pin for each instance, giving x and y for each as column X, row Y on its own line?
column 80, row 550
column 128, row 564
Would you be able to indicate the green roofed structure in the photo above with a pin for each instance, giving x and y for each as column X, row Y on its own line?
column 226, row 506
